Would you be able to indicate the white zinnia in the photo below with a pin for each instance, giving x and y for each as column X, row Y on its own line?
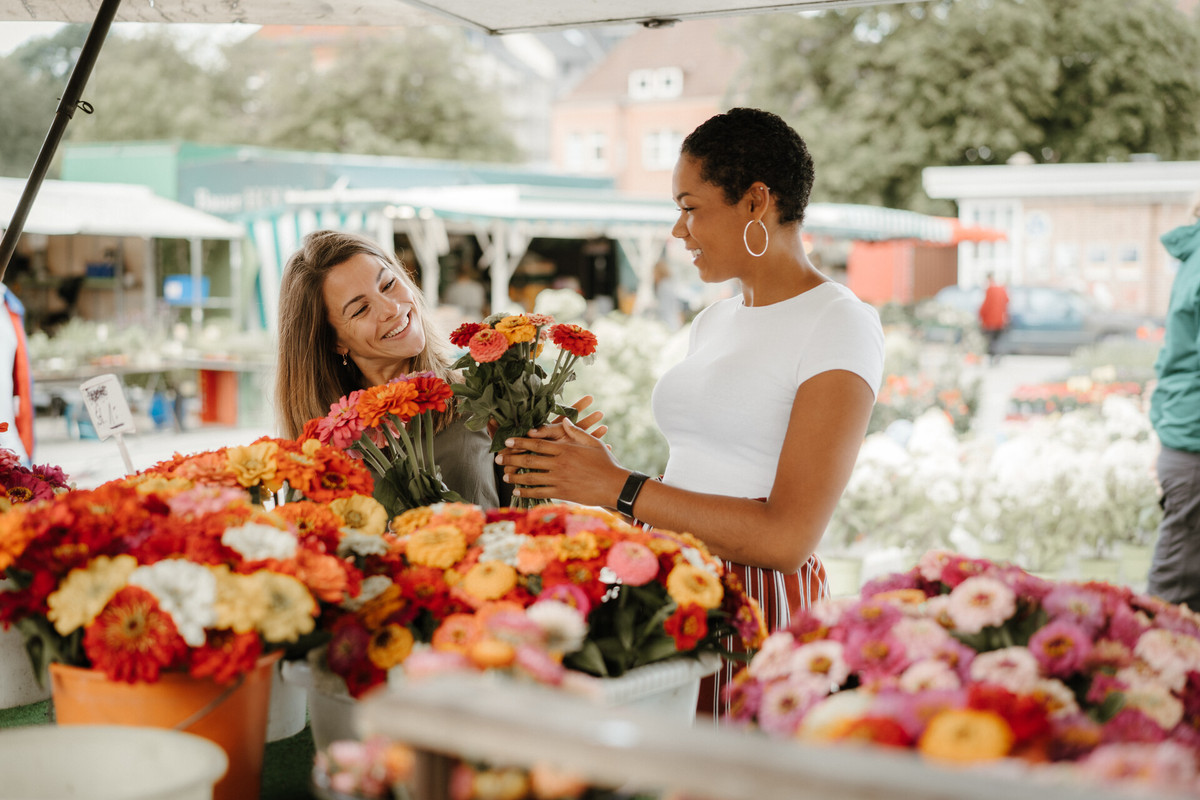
column 1014, row 668
column 186, row 591
column 980, row 602
column 564, row 626
column 501, row 542
column 361, row 544
column 256, row 542
column 371, row 588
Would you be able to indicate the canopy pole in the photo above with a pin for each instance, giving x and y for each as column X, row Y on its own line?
column 66, row 109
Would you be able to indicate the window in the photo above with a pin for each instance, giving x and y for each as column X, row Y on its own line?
column 660, row 149
column 655, row 84
column 641, row 84
column 585, row 152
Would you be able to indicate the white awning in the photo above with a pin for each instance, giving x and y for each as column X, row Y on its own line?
column 508, row 16
column 110, row 209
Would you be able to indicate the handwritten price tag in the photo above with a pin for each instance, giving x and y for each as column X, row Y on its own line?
column 105, row 401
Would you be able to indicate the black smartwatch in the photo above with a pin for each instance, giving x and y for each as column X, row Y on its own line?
column 629, row 493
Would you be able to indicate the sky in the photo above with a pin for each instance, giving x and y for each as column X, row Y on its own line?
column 14, row 34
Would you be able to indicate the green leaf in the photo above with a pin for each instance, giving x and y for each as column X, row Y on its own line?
column 588, row 659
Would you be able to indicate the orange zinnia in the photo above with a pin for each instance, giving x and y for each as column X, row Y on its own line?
column 457, row 633
column 965, row 735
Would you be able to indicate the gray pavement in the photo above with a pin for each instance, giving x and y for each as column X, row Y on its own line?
column 1002, row 377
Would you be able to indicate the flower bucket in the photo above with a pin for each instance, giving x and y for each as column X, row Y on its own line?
column 233, row 716
column 331, row 712
column 18, row 684
column 288, row 712
column 668, row 689
column 104, row 762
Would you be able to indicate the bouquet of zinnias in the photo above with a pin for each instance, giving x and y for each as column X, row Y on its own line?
column 391, row 426
column 177, row 569
column 21, row 484
column 502, row 379
column 539, row 591
column 968, row 661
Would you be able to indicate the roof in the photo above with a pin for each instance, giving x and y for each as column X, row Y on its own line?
column 1154, row 178
column 494, row 17
column 701, row 48
column 604, row 211
column 110, row 209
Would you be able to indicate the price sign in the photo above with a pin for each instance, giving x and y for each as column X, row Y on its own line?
column 105, row 401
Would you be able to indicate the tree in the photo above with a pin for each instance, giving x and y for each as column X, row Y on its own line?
column 882, row 92
column 411, row 93
column 33, row 77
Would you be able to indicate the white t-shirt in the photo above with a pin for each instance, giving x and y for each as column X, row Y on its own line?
column 8, row 398
column 725, row 408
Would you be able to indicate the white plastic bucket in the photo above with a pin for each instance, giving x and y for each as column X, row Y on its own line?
column 104, row 762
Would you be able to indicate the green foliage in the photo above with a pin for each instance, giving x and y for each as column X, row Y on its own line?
column 881, row 92
column 627, row 632
column 414, row 93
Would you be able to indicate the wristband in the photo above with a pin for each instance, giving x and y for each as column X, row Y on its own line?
column 629, row 493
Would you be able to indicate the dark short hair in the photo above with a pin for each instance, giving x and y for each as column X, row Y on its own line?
column 745, row 145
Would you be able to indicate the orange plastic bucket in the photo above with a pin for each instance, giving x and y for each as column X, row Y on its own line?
column 233, row 716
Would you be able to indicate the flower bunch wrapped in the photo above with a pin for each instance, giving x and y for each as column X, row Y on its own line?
column 969, row 661
column 502, row 379
column 180, row 569
column 392, row 427
column 538, row 591
column 21, row 484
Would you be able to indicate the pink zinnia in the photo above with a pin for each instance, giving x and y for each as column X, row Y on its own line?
column 488, row 345
column 423, row 663
column 539, row 664
column 1013, row 668
column 1076, row 604
column 570, row 594
column 823, row 660
column 981, row 602
column 1166, row 766
column 913, row 711
column 1060, row 648
column 203, row 500
column 875, row 654
column 342, row 426
column 784, row 704
column 633, row 563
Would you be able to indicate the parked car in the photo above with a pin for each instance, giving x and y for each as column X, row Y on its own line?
column 1046, row 320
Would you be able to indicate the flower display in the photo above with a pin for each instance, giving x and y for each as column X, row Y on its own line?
column 535, row 591
column 183, row 567
column 502, row 378
column 391, row 427
column 967, row 661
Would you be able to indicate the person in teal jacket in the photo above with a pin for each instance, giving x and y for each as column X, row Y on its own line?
column 1175, row 415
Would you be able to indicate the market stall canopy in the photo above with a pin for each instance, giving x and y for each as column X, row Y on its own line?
column 110, row 209
column 508, row 16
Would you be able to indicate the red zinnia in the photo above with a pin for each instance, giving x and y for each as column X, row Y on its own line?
column 463, row 333
column 687, row 626
column 488, row 345
column 225, row 655
column 432, row 392
column 132, row 639
column 575, row 340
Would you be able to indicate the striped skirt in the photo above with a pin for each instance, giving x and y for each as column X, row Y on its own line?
column 779, row 596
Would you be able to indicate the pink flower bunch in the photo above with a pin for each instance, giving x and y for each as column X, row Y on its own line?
column 22, row 484
column 965, row 660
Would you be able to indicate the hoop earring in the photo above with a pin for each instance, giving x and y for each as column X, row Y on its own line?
column 766, row 238
column 345, row 363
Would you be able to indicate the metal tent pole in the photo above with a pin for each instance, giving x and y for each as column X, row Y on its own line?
column 66, row 109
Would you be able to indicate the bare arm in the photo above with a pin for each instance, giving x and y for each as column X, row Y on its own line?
column 826, row 428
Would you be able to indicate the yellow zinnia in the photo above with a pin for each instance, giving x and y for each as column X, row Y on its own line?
column 253, row 463
column 85, row 592
column 410, row 520
column 375, row 611
column 361, row 513
column 437, row 546
column 966, row 734
column 290, row 607
column 241, row 605
column 577, row 547
column 517, row 329
column 687, row 584
column 489, row 580
column 389, row 646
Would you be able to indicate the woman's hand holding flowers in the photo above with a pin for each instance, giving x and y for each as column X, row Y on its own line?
column 565, row 463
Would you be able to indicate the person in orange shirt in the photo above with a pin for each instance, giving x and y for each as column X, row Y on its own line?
column 993, row 314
